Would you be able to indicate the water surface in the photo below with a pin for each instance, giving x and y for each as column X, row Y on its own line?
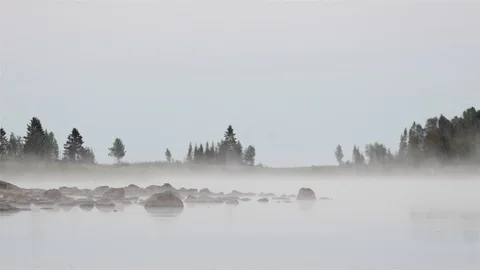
column 368, row 224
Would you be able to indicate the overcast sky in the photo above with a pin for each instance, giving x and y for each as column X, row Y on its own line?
column 293, row 78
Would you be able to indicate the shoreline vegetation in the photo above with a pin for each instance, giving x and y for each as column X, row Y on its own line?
column 440, row 147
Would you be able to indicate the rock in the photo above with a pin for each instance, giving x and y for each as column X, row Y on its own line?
column 153, row 189
column 71, row 191
column 52, row 194
column 84, row 201
column 167, row 198
column 16, row 196
column 205, row 191
column 263, row 200
column 98, row 191
column 114, row 194
column 266, row 194
column 135, row 191
column 5, row 207
column 7, row 186
column 306, row 194
column 67, row 201
column 236, row 193
column 245, row 199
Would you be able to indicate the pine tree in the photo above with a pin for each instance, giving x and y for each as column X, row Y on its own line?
column 168, row 155
column 87, row 155
column 357, row 157
column 3, row 144
column 201, row 154
column 403, row 147
column 35, row 139
column 339, row 154
column 51, row 147
column 249, row 155
column 415, row 144
column 238, row 152
column 117, row 150
column 195, row 154
column 230, row 148
column 73, row 148
column 189, row 153
column 15, row 147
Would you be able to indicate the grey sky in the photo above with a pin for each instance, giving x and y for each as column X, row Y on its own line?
column 293, row 78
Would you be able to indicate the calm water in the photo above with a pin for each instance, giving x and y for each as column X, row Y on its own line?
column 369, row 224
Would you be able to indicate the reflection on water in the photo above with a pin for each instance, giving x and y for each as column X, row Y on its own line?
column 164, row 211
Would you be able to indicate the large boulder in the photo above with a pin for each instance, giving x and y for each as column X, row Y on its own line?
column 52, row 194
column 167, row 198
column 7, row 186
column 306, row 194
column 98, row 191
column 114, row 194
column 153, row 189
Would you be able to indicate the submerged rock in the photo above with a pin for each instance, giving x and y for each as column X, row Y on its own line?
column 263, row 200
column 114, row 194
column 167, row 198
column 306, row 194
column 232, row 202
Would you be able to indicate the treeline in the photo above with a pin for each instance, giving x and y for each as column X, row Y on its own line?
column 41, row 144
column 229, row 151
column 439, row 142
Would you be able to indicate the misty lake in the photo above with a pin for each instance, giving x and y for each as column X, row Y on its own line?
column 367, row 224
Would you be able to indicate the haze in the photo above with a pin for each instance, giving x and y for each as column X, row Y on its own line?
column 294, row 78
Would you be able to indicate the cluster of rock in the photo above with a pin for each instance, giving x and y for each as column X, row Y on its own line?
column 14, row 198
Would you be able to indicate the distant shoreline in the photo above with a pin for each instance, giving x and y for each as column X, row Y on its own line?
column 166, row 170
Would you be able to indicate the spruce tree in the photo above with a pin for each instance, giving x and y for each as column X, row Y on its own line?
column 403, row 146
column 117, row 150
column 73, row 148
column 339, row 154
column 249, row 155
column 35, row 139
column 168, row 155
column 190, row 153
column 87, row 156
column 3, row 144
column 15, row 147
column 201, row 154
column 51, row 147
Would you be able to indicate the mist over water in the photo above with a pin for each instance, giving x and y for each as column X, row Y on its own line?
column 369, row 223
